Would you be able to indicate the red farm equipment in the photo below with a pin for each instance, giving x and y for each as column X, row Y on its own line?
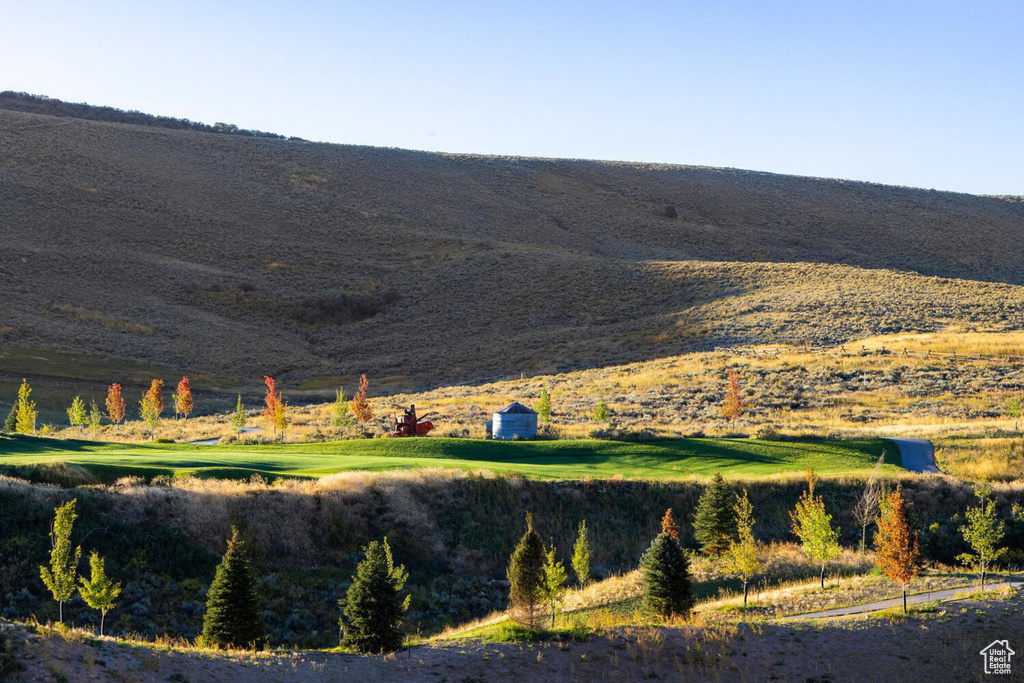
column 410, row 425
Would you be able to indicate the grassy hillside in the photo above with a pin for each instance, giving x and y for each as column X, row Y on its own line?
column 229, row 256
column 738, row 458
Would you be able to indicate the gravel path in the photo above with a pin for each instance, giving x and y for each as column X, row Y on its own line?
column 917, row 598
column 918, row 455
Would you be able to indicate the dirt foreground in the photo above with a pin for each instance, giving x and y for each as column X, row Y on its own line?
column 943, row 645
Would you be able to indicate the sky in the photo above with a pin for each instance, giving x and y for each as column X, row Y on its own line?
column 924, row 94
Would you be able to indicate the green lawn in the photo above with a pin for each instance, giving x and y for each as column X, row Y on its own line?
column 537, row 459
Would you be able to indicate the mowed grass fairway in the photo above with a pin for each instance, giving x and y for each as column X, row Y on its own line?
column 735, row 458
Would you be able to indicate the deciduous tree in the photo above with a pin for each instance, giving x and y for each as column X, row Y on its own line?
column 983, row 532
column 76, row 413
column 601, row 412
column 233, row 604
column 734, row 405
column 526, row 577
column 896, row 544
column 95, row 416
column 714, row 522
column 1013, row 409
column 27, row 413
column 115, row 405
column 341, row 414
column 866, row 509
column 543, row 404
column 183, row 403
column 98, row 591
column 581, row 555
column 271, row 403
column 374, row 607
column 554, row 580
column 152, row 405
column 743, row 558
column 665, row 577
column 62, row 573
column 360, row 404
column 813, row 526
column 239, row 418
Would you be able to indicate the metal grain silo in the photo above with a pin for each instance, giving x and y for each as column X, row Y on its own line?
column 514, row 421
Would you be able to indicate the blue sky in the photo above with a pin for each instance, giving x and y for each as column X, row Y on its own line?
column 927, row 94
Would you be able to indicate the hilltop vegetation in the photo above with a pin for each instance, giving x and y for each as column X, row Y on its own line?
column 227, row 257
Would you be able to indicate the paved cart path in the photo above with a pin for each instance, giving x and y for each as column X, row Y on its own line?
column 915, row 599
column 918, row 455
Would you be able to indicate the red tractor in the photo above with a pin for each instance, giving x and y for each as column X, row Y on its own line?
column 410, row 425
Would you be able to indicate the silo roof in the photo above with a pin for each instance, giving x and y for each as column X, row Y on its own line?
column 517, row 408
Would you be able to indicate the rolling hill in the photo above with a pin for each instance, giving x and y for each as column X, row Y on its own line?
column 142, row 249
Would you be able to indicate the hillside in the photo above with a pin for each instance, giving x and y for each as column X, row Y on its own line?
column 153, row 250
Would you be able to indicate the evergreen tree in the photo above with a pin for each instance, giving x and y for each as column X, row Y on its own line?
column 98, row 591
column 61, row 576
column 76, row 413
column 526, row 576
column 543, row 405
column 665, row 577
column 26, row 410
column 743, row 558
column 554, row 578
column 714, row 522
column 373, row 607
column 581, row 555
column 232, row 604
column 983, row 532
column 239, row 418
column 11, row 423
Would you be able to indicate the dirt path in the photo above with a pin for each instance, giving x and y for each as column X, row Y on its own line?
column 915, row 599
column 214, row 442
column 918, row 455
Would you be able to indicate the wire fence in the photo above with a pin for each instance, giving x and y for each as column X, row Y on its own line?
column 863, row 350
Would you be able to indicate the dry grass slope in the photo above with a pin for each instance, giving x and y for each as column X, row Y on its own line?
column 232, row 256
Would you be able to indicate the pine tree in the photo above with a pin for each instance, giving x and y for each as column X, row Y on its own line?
column 743, row 558
column 665, row 577
column 239, row 418
column 183, row 402
column 983, row 532
column 543, row 404
column 11, row 423
column 601, row 412
column 115, row 405
column 341, row 413
column 581, row 555
column 373, row 606
column 60, row 578
column 98, row 591
column 27, row 413
column 814, row 527
column 76, row 413
column 554, row 578
column 896, row 544
column 714, row 522
column 526, row 576
column 360, row 405
column 232, row 604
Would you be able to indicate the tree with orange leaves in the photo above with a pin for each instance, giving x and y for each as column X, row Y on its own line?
column 152, row 404
column 668, row 525
column 272, row 407
column 115, row 405
column 183, row 398
column 360, row 405
column 896, row 545
column 734, row 405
